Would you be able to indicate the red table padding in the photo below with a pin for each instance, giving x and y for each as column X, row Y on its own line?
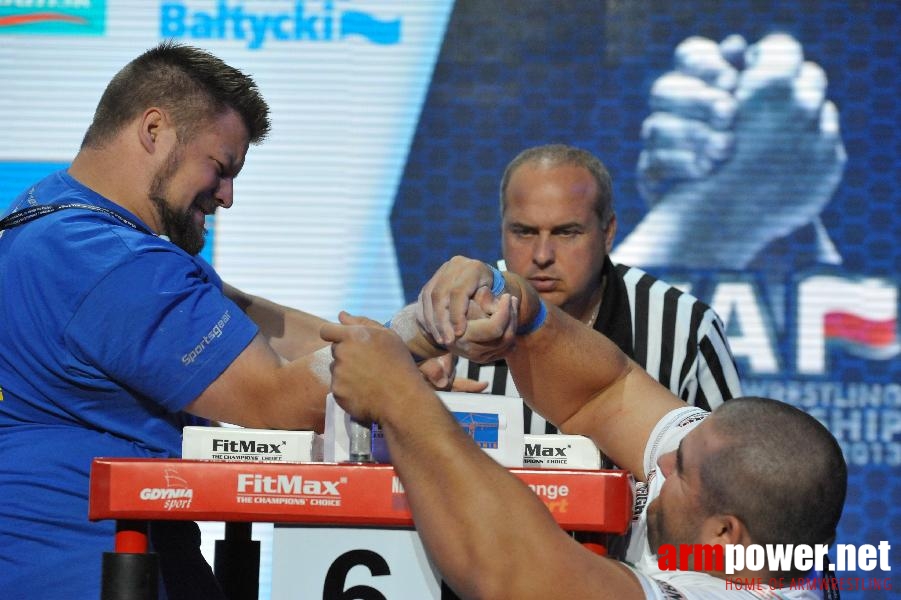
column 324, row 493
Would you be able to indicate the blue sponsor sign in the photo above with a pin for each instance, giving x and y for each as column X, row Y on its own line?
column 298, row 21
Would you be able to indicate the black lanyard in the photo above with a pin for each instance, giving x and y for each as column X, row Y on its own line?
column 26, row 215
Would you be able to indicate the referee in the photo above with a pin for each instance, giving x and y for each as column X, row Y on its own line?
column 558, row 225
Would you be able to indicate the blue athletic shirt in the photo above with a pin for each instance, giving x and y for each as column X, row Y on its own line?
column 107, row 332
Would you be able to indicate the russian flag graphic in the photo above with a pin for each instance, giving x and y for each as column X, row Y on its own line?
column 375, row 30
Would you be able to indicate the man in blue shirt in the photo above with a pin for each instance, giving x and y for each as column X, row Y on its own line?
column 115, row 334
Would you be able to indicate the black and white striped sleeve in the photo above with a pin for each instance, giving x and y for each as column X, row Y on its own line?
column 680, row 341
column 715, row 376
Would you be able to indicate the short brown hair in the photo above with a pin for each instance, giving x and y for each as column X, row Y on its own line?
column 192, row 84
column 779, row 470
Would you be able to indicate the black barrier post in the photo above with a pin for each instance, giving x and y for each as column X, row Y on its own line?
column 130, row 573
column 129, row 576
column 237, row 563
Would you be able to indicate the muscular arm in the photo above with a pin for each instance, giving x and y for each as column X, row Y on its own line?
column 569, row 373
column 281, row 379
column 582, row 383
column 481, row 526
column 262, row 390
column 291, row 333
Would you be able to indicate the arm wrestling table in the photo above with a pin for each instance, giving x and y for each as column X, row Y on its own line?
column 135, row 491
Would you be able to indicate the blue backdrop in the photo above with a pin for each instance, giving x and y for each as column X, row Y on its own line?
column 517, row 73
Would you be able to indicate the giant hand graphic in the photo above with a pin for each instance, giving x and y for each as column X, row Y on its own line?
column 741, row 148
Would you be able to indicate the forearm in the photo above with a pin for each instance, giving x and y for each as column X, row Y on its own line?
column 260, row 389
column 562, row 366
column 291, row 333
column 480, row 525
column 580, row 381
column 572, row 375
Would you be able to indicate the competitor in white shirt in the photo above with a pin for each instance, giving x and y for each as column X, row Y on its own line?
column 755, row 471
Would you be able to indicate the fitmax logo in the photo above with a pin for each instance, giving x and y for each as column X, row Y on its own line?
column 301, row 21
column 247, row 447
column 539, row 450
column 249, row 483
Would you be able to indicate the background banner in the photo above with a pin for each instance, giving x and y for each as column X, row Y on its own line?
column 393, row 122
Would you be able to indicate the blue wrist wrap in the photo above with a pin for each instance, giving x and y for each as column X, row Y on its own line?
column 497, row 281
column 538, row 321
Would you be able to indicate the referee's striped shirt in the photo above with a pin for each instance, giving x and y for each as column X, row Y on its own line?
column 678, row 340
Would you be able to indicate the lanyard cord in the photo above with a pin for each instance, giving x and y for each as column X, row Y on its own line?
column 26, row 215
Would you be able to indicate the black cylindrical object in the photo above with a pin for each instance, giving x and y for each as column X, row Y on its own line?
column 128, row 576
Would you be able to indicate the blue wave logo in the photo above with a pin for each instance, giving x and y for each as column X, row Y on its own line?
column 300, row 21
column 367, row 26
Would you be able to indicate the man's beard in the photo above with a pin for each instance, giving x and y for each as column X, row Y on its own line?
column 178, row 227
column 655, row 531
column 664, row 528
